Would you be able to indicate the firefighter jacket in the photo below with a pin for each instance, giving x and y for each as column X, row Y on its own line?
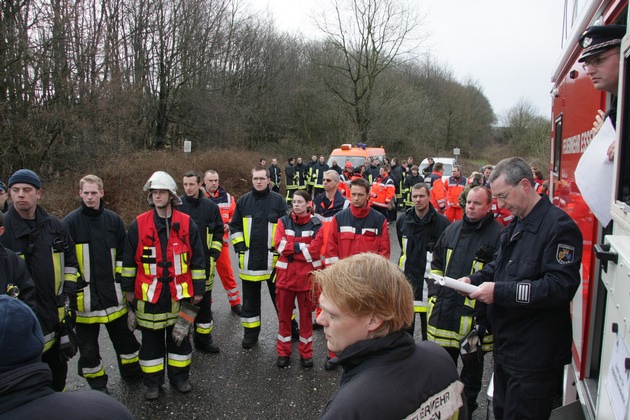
column 410, row 181
column 226, row 204
column 275, row 175
column 416, row 380
column 13, row 272
column 398, row 176
column 454, row 188
column 356, row 230
column 48, row 250
column 252, row 231
column 308, row 173
column 163, row 262
column 317, row 174
column 99, row 237
column 301, row 176
column 417, row 237
column 299, row 241
column 290, row 173
column 207, row 217
column 536, row 274
column 438, row 191
column 464, row 247
column 538, row 185
column 383, row 192
column 325, row 209
column 372, row 173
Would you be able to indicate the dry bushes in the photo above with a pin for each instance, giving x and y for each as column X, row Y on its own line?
column 125, row 176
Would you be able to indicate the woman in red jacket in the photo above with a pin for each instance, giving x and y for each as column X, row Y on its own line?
column 299, row 238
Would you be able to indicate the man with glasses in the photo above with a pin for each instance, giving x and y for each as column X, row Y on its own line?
column 600, row 59
column 252, row 227
column 531, row 284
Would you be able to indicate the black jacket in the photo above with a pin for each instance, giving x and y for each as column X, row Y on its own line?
column 536, row 274
column 25, row 393
column 207, row 216
column 13, row 271
column 99, row 236
column 41, row 246
column 390, row 378
column 275, row 175
column 417, row 237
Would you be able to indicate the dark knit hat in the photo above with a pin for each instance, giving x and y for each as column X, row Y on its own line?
column 25, row 176
column 597, row 39
column 21, row 339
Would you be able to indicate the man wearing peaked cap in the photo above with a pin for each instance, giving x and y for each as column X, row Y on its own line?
column 30, row 232
column 600, row 59
column 25, row 382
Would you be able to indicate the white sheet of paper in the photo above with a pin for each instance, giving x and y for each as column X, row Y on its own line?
column 455, row 284
column 594, row 173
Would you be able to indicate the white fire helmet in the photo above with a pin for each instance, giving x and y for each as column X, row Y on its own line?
column 160, row 180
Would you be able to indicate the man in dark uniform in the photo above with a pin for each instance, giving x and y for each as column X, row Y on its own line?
column 600, row 59
column 99, row 237
column 531, row 284
column 163, row 265
column 207, row 216
column 44, row 243
column 15, row 280
column 275, row 176
column 291, row 183
column 301, row 174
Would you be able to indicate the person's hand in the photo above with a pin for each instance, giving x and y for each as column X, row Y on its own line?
column 197, row 299
column 130, row 296
column 485, row 293
column 611, row 150
column 599, row 121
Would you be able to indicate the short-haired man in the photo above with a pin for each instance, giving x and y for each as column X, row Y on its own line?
column 367, row 304
column 600, row 58
column 317, row 175
column 438, row 188
column 412, row 178
column 418, row 231
column 291, row 182
column 331, row 201
column 99, row 237
column 358, row 228
column 464, row 247
column 217, row 194
column 531, row 284
column 487, row 171
column 454, row 187
column 429, row 168
column 207, row 216
column 25, row 382
column 372, row 170
column 301, row 174
column 163, row 266
column 275, row 176
column 48, row 250
column 254, row 221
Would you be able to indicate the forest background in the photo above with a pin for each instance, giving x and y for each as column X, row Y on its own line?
column 115, row 87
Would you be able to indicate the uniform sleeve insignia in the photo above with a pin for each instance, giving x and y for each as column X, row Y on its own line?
column 523, row 291
column 565, row 254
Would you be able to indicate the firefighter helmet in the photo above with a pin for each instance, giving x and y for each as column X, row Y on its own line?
column 160, row 180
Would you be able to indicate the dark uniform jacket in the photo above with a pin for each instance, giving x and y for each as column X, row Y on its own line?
column 13, row 271
column 391, row 378
column 50, row 257
column 99, row 237
column 326, row 209
column 290, row 173
column 275, row 175
column 252, row 231
column 207, row 216
column 417, row 237
column 536, row 274
column 25, row 393
column 301, row 175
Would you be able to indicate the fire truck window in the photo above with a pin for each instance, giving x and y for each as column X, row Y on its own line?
column 557, row 153
column 623, row 189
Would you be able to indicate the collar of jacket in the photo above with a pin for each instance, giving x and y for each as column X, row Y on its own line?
column 195, row 201
column 301, row 220
column 260, row 194
column 363, row 350
column 21, row 228
column 479, row 224
column 23, row 385
column 412, row 217
column 532, row 222
column 93, row 212
column 360, row 213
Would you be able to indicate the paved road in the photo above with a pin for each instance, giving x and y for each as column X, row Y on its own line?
column 237, row 383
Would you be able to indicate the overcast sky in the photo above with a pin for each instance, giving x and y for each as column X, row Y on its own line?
column 509, row 47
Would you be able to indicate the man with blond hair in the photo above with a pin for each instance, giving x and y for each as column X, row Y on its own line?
column 366, row 305
column 99, row 236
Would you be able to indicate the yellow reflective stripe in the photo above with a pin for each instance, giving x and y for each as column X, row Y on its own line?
column 103, row 316
column 58, row 270
column 152, row 366
column 419, row 306
column 449, row 254
column 252, row 322
column 156, row 321
column 81, row 295
column 437, row 272
column 127, row 359
column 237, row 238
column 128, row 272
column 205, row 328
column 247, row 225
column 179, row 360
column 94, row 372
column 208, row 238
column 217, row 245
column 198, row 274
column 49, row 340
column 118, row 267
column 83, row 258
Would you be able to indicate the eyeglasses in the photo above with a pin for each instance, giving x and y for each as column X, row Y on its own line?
column 597, row 61
column 504, row 196
column 328, row 180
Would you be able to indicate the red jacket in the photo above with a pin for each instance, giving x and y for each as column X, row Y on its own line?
column 438, row 193
column 356, row 230
column 454, row 188
column 299, row 242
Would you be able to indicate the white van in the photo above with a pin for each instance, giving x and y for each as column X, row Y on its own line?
column 448, row 166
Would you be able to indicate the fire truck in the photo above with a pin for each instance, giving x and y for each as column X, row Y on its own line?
column 597, row 383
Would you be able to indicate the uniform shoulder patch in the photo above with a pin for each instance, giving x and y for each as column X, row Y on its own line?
column 565, row 254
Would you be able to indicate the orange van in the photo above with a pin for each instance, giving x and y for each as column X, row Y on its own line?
column 356, row 154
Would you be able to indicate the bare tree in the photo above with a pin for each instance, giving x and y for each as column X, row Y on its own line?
column 364, row 38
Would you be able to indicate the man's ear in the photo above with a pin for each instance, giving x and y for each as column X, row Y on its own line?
column 374, row 323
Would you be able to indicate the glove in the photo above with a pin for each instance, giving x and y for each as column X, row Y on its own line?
column 470, row 347
column 185, row 321
column 132, row 323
